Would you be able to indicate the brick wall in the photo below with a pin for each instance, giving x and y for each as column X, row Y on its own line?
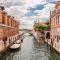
column 8, row 28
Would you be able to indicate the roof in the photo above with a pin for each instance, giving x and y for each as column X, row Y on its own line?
column 57, row 4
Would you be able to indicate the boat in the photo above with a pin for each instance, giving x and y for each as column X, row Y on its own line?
column 27, row 34
column 18, row 41
column 15, row 46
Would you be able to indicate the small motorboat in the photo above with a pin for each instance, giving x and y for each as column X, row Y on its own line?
column 18, row 41
column 15, row 46
column 27, row 34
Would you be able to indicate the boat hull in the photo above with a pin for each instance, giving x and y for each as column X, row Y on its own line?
column 15, row 46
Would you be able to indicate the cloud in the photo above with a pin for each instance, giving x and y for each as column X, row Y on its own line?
column 28, row 10
column 43, row 15
column 8, row 3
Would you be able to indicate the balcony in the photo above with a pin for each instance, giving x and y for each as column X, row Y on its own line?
column 5, row 26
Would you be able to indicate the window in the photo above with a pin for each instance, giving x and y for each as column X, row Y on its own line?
column 3, row 19
column 58, row 19
column 55, row 20
column 8, row 21
column 57, row 38
column 11, row 22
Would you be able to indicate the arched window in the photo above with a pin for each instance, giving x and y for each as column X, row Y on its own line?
column 58, row 19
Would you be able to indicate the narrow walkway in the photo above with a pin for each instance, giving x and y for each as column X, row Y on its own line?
column 31, row 50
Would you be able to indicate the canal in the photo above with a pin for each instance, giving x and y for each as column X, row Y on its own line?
column 31, row 50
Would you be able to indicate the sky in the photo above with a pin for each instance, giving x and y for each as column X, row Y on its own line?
column 27, row 11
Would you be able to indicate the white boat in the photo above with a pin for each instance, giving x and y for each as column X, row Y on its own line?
column 15, row 46
column 18, row 41
column 27, row 34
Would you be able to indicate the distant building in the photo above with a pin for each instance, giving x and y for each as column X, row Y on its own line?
column 41, row 23
column 9, row 29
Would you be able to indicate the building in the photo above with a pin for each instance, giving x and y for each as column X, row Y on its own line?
column 40, row 34
column 9, row 29
column 55, row 27
column 41, row 23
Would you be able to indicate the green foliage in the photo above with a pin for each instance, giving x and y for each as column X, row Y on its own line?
column 41, row 27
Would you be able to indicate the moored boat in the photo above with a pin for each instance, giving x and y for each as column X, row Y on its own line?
column 27, row 34
column 15, row 46
column 18, row 41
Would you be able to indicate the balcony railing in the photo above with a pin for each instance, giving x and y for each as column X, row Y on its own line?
column 6, row 26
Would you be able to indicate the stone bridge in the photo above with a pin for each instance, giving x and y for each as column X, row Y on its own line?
column 26, row 31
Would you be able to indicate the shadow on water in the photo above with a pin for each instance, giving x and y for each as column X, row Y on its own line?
column 9, row 54
column 45, row 52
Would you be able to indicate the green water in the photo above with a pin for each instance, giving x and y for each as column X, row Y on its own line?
column 31, row 50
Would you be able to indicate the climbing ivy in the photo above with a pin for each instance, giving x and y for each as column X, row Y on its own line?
column 41, row 27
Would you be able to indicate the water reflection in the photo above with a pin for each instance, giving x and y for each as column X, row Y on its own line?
column 31, row 50
column 9, row 55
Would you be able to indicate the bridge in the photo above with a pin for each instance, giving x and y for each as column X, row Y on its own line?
column 26, row 31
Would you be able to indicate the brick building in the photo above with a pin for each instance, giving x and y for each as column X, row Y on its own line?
column 55, row 27
column 9, row 29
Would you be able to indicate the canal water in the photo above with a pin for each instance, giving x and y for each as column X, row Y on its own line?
column 31, row 50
